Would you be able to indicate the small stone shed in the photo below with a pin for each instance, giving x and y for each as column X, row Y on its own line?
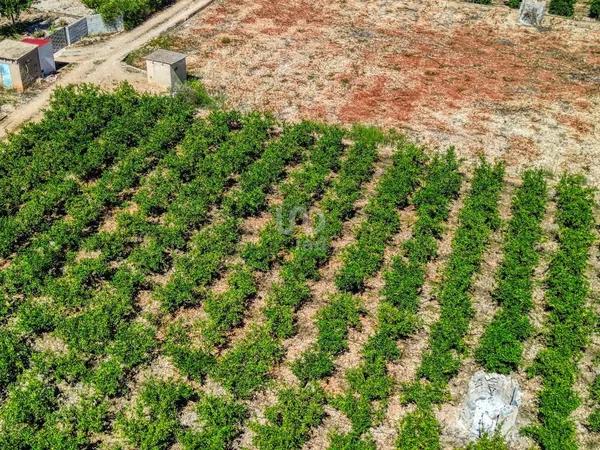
column 19, row 64
column 45, row 52
column 166, row 68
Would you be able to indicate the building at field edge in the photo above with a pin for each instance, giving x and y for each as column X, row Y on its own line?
column 45, row 53
column 19, row 64
column 166, row 68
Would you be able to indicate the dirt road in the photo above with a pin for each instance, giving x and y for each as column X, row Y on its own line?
column 100, row 62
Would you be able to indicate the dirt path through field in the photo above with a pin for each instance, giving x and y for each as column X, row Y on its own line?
column 101, row 62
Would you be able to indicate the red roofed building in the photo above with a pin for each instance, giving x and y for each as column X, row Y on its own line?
column 45, row 52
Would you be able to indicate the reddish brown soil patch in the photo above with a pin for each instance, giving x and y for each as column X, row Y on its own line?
column 445, row 72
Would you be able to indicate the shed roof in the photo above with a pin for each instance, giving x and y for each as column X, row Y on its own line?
column 165, row 56
column 14, row 50
column 40, row 42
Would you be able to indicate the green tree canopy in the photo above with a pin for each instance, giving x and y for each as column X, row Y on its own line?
column 12, row 9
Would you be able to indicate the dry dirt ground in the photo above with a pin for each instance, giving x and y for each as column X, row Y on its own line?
column 446, row 73
column 67, row 7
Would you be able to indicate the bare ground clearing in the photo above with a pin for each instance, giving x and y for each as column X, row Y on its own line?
column 447, row 73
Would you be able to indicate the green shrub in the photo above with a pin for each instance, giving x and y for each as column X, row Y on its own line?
column 501, row 345
column 13, row 357
column 220, row 419
column 134, row 12
column 357, row 409
column 29, row 403
column 313, row 365
column 227, row 310
column 75, row 118
column 283, row 300
column 195, row 269
column 74, row 289
column 246, row 366
column 562, row 7
column 108, row 377
column 133, row 344
column 153, row 422
column 289, row 421
column 60, row 367
column 478, row 218
column 309, row 253
column 334, row 321
column 31, row 269
column 225, row 171
column 419, row 430
column 569, row 321
column 250, row 196
column 595, row 389
column 192, row 362
column 593, row 422
column 303, row 187
column 363, row 258
column 595, row 9
column 486, row 442
column 35, row 317
column 73, row 425
column 195, row 92
column 92, row 329
column 369, row 384
column 350, row 442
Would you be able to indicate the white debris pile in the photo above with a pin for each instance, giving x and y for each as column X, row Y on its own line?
column 532, row 12
column 491, row 406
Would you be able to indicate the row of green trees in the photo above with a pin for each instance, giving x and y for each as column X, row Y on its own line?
column 133, row 12
column 156, row 433
column 567, row 8
column 191, row 279
column 225, row 310
column 501, row 346
column 214, row 243
column 134, row 116
column 477, row 220
column 100, row 330
column 360, row 260
column 364, row 258
column 45, row 153
column 205, row 153
column 33, row 266
column 369, row 384
column 245, row 368
column 570, row 321
column 317, row 165
column 31, row 412
column 36, row 263
column 232, row 370
column 333, row 323
column 297, row 194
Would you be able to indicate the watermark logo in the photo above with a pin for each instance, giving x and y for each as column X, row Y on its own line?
column 300, row 218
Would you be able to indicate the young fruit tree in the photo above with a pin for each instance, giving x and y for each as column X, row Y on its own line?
column 12, row 9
